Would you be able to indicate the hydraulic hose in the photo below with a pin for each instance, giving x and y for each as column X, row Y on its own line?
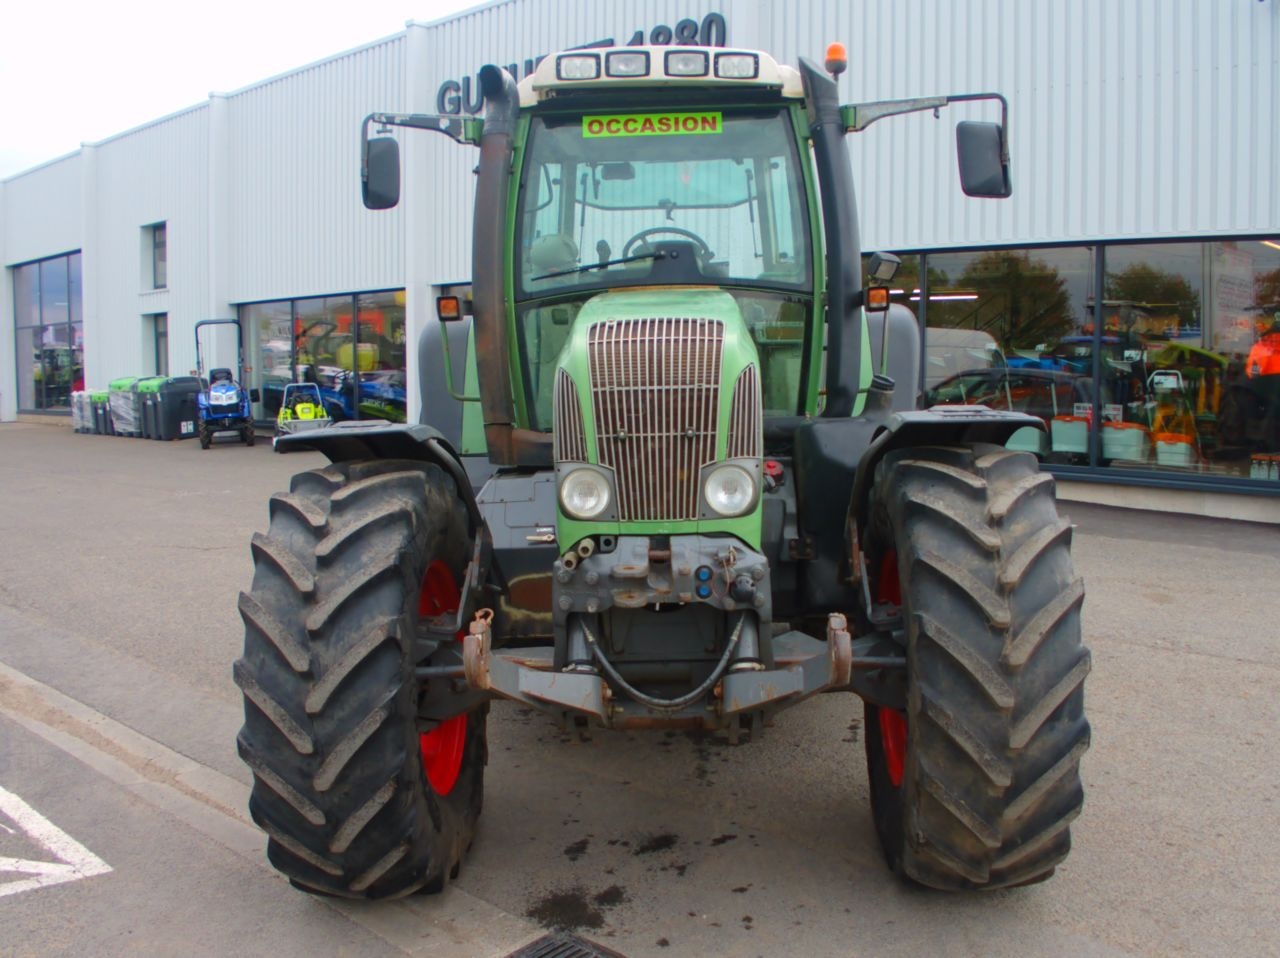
column 667, row 705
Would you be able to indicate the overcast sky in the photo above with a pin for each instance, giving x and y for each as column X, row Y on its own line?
column 80, row 70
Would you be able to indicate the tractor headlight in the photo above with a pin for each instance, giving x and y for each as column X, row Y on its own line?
column 585, row 493
column 729, row 490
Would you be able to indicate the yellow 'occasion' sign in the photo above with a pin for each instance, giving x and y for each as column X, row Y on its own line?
column 651, row 124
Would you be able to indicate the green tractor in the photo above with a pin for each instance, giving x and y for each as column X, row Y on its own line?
column 683, row 484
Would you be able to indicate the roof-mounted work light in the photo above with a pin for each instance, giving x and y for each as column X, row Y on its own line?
column 687, row 63
column 737, row 66
column 883, row 267
column 629, row 63
column 578, row 66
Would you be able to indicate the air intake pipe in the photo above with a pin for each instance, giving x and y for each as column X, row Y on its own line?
column 507, row 445
column 840, row 228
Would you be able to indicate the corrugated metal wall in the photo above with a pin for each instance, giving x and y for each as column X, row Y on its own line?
column 43, row 212
column 297, row 225
column 158, row 173
column 1129, row 118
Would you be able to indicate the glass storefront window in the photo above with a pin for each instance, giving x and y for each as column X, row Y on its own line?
column 267, row 330
column 1165, row 384
column 48, row 334
column 382, row 344
column 1244, row 333
column 26, row 295
column 353, row 347
column 30, row 371
column 1011, row 329
column 1177, row 370
column 1203, row 323
column 55, row 304
column 74, row 286
column 325, row 351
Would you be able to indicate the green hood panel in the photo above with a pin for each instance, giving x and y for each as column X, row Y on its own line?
column 738, row 352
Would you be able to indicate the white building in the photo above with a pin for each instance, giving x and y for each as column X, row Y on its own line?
column 1143, row 133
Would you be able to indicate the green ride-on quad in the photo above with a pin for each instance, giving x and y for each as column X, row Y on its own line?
column 301, row 410
column 675, row 479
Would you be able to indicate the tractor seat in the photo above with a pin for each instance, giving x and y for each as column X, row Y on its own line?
column 220, row 375
column 555, row 252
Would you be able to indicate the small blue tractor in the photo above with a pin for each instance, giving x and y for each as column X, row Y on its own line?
column 223, row 404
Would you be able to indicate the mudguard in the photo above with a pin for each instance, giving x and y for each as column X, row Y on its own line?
column 379, row 439
column 939, row 426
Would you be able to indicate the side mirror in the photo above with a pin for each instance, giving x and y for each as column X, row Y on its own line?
column 984, row 171
column 255, row 395
column 381, row 184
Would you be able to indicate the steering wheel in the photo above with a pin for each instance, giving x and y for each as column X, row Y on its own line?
column 704, row 251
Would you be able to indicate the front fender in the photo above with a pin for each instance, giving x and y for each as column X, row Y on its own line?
column 378, row 439
column 939, row 426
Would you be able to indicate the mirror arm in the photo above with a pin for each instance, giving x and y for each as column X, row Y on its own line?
column 465, row 130
column 858, row 116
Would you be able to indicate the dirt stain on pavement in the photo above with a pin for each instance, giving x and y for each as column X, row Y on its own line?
column 613, row 895
column 569, row 909
column 656, row 843
column 566, row 910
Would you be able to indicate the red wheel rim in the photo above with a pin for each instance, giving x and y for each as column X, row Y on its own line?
column 893, row 724
column 889, row 588
column 893, row 737
column 440, row 593
column 443, row 746
column 442, row 750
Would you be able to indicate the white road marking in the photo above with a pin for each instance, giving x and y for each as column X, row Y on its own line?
column 74, row 861
column 453, row 925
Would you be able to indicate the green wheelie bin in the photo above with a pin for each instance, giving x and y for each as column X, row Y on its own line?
column 147, row 391
column 100, row 403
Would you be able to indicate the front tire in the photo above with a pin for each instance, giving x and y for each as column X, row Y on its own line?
column 975, row 785
column 351, row 563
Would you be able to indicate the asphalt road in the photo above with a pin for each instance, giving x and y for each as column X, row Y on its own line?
column 118, row 625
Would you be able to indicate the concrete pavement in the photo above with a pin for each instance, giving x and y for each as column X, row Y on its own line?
column 117, row 600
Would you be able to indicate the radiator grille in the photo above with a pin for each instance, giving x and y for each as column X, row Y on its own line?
column 570, row 444
column 654, row 391
column 746, row 429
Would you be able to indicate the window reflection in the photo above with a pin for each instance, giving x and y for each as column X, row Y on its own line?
column 49, row 337
column 1187, row 337
column 382, row 372
column 1199, row 317
column 1010, row 329
column 267, row 327
column 352, row 347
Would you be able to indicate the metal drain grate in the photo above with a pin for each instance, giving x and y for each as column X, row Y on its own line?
column 563, row 945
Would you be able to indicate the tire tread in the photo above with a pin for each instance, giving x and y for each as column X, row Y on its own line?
column 996, row 663
column 331, row 704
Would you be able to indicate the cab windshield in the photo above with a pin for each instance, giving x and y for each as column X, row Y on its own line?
column 662, row 198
